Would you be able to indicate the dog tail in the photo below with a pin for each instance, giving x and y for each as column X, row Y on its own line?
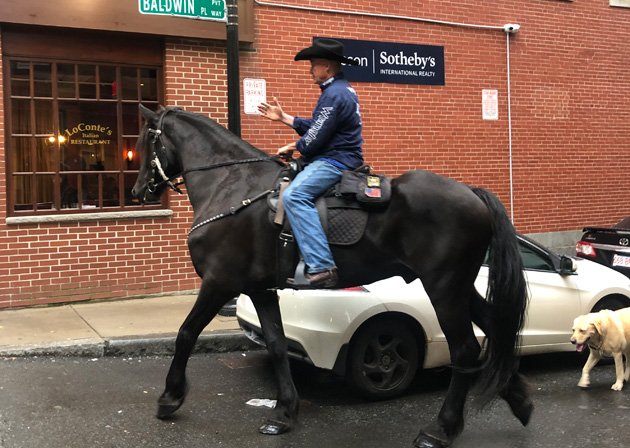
column 507, row 296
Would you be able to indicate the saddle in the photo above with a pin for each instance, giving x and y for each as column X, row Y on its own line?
column 344, row 208
column 343, row 211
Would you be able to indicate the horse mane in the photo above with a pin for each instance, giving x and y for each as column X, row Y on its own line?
column 202, row 121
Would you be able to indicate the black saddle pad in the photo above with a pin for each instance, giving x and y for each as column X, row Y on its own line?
column 344, row 220
column 344, row 217
column 346, row 225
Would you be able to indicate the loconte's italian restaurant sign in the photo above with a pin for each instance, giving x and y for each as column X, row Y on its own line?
column 88, row 134
column 394, row 63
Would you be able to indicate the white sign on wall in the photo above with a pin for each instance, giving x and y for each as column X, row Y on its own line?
column 254, row 93
column 490, row 104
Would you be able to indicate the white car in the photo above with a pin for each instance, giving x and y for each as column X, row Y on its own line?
column 378, row 335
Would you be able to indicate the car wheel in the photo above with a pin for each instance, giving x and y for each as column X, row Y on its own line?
column 383, row 359
column 609, row 303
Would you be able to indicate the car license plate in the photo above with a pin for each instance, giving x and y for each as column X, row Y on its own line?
column 621, row 260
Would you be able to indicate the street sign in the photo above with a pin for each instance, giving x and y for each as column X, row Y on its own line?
column 191, row 9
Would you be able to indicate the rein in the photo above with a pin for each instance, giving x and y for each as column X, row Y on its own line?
column 155, row 163
column 233, row 210
column 152, row 185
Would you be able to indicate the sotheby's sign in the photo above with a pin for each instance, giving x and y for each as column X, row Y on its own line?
column 394, row 63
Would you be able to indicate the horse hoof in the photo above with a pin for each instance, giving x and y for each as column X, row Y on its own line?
column 524, row 412
column 166, row 410
column 517, row 397
column 426, row 441
column 167, row 405
column 273, row 428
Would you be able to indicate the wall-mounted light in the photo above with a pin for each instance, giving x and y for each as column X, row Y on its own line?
column 129, row 155
column 61, row 139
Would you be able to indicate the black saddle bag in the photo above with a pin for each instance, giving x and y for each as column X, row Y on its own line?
column 370, row 190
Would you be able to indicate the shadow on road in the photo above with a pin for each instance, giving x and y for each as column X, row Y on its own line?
column 319, row 384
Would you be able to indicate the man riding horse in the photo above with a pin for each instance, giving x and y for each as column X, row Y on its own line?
column 330, row 143
column 434, row 229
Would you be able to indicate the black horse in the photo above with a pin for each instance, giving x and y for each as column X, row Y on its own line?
column 434, row 228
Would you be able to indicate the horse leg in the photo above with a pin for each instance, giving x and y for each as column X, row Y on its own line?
column 516, row 393
column 206, row 307
column 452, row 309
column 287, row 402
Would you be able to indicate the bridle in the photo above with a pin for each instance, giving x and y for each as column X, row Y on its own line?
column 152, row 185
column 159, row 147
column 156, row 164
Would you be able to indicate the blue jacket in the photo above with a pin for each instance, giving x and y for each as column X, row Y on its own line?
column 334, row 132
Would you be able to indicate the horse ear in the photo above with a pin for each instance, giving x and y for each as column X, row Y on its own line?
column 148, row 114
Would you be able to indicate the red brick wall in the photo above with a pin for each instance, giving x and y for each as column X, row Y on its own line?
column 64, row 262
column 80, row 261
column 570, row 95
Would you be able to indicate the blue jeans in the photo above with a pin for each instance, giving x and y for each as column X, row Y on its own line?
column 299, row 205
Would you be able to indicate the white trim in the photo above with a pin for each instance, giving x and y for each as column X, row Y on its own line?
column 620, row 3
column 75, row 217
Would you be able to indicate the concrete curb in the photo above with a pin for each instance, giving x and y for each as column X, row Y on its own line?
column 153, row 345
column 84, row 349
column 165, row 345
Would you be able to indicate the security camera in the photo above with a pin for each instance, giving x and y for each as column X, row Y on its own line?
column 511, row 28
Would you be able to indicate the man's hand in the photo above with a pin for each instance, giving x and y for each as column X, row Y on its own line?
column 286, row 152
column 274, row 112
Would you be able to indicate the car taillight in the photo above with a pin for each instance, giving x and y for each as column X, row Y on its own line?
column 355, row 288
column 585, row 249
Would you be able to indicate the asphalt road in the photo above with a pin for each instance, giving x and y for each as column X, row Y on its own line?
column 110, row 402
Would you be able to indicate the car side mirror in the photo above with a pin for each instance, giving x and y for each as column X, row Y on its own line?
column 567, row 265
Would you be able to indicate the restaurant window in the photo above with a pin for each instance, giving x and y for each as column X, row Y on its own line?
column 72, row 130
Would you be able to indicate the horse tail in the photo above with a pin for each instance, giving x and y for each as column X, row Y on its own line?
column 507, row 296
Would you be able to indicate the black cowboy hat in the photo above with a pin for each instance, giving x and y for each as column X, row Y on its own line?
column 323, row 48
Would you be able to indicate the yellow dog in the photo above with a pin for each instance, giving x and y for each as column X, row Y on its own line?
column 606, row 333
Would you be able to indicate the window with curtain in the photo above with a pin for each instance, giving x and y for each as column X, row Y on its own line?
column 72, row 131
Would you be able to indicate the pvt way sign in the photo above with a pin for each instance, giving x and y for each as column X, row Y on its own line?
column 192, row 9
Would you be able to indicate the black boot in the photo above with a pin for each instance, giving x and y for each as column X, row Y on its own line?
column 316, row 280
